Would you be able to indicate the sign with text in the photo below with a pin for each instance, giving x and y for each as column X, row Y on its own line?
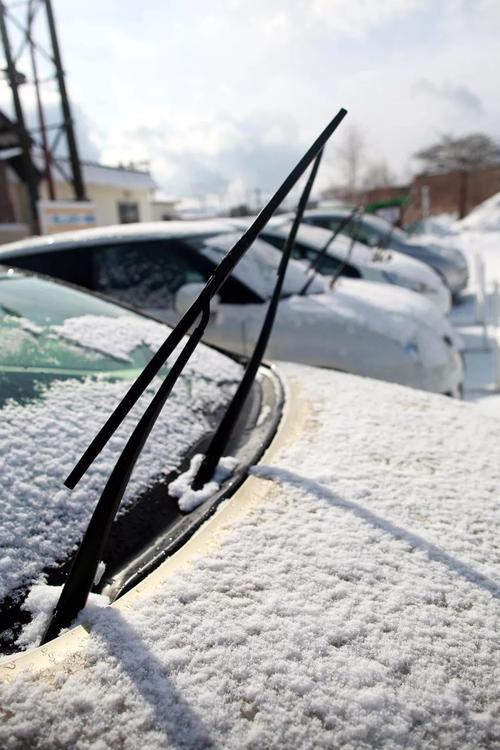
column 62, row 216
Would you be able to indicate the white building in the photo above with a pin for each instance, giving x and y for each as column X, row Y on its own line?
column 119, row 195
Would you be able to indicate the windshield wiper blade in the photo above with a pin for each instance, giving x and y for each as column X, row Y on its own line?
column 354, row 238
column 315, row 263
column 83, row 570
column 225, row 429
column 84, row 567
column 212, row 286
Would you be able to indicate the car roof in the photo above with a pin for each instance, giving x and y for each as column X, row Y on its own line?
column 310, row 235
column 113, row 233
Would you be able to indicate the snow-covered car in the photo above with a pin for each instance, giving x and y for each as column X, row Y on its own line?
column 360, row 261
column 450, row 263
column 346, row 596
column 159, row 268
column 66, row 358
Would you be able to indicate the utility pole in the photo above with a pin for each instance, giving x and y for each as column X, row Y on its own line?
column 40, row 55
column 30, row 172
column 68, row 120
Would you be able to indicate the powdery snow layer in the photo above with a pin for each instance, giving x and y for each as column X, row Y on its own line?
column 358, row 607
column 189, row 499
column 40, row 442
column 485, row 217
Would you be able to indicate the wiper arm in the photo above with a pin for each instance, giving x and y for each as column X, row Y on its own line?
column 388, row 237
column 83, row 570
column 354, row 238
column 315, row 263
column 224, row 431
column 212, row 286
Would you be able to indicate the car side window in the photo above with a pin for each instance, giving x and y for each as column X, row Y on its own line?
column 148, row 273
column 326, row 223
column 328, row 265
column 73, row 265
column 279, row 243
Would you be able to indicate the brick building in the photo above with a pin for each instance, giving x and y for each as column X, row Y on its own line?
column 454, row 192
column 442, row 192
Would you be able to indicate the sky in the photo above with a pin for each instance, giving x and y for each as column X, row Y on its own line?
column 222, row 97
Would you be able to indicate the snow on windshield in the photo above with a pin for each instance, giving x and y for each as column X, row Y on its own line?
column 257, row 269
column 41, row 441
column 355, row 607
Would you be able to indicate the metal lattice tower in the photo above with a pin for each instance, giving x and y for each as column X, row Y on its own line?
column 33, row 66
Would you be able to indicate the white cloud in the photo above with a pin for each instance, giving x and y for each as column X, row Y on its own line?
column 217, row 156
column 354, row 18
column 227, row 94
column 459, row 96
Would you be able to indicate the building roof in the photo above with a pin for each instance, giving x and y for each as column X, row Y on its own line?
column 121, row 177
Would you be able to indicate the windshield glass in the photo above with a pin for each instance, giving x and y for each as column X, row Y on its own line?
column 36, row 347
column 257, row 269
column 66, row 359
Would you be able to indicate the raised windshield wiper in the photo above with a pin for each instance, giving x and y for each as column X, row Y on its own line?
column 388, row 237
column 83, row 570
column 356, row 216
column 315, row 262
column 225, row 429
column 212, row 286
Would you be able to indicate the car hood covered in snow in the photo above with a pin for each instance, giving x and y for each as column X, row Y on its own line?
column 346, row 596
column 398, row 304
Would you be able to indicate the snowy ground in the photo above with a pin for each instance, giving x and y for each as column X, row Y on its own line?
column 356, row 605
column 479, row 237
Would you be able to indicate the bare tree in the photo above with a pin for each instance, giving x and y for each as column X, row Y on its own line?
column 350, row 156
column 377, row 175
column 450, row 154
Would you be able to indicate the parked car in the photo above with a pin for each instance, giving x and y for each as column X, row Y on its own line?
column 159, row 269
column 450, row 263
column 344, row 596
column 360, row 261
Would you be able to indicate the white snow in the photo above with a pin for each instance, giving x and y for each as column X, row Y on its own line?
column 40, row 442
column 484, row 218
column 41, row 602
column 189, row 499
column 478, row 236
column 358, row 606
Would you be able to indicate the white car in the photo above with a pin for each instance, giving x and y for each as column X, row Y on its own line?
column 159, row 268
column 361, row 261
